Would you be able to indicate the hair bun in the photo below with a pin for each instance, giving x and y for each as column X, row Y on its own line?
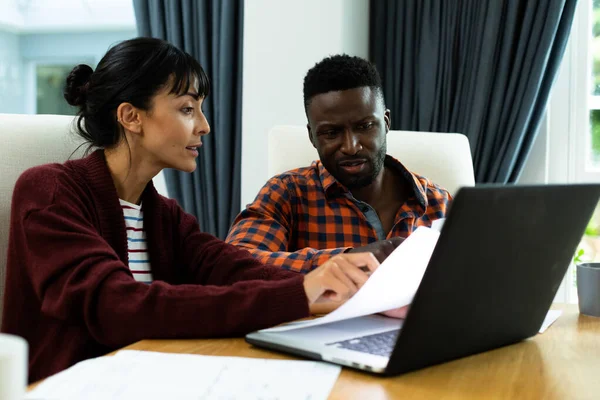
column 77, row 85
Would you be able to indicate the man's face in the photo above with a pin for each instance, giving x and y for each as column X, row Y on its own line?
column 348, row 128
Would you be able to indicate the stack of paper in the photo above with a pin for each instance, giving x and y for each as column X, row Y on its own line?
column 149, row 375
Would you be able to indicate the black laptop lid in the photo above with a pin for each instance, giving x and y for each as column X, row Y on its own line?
column 500, row 258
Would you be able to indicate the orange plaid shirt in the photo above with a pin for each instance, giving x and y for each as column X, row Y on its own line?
column 303, row 217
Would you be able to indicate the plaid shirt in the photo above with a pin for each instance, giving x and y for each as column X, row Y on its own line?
column 303, row 217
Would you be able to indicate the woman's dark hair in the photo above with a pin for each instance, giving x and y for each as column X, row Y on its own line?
column 132, row 71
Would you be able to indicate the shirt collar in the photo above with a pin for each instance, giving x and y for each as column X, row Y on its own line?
column 328, row 182
column 332, row 187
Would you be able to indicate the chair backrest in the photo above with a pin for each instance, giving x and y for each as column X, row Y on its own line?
column 444, row 158
column 27, row 141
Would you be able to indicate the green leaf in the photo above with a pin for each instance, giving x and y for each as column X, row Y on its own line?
column 577, row 259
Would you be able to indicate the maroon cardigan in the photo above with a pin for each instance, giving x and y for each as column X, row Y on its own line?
column 69, row 291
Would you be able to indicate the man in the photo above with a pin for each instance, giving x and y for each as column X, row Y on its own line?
column 356, row 198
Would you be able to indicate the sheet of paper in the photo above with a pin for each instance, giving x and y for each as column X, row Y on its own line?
column 550, row 318
column 437, row 224
column 392, row 285
column 149, row 375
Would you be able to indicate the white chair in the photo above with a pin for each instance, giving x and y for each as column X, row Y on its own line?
column 28, row 140
column 444, row 158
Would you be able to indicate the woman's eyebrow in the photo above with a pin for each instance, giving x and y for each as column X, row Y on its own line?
column 193, row 95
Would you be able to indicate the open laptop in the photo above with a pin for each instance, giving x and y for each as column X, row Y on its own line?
column 499, row 260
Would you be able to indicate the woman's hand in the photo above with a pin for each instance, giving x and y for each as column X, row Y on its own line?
column 338, row 279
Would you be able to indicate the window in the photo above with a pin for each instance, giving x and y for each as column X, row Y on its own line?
column 50, row 82
column 44, row 80
column 583, row 104
column 593, row 145
column 589, row 249
column 573, row 125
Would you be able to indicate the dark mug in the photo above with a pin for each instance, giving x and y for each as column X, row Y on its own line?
column 588, row 288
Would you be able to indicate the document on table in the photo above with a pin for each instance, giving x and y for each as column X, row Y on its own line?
column 147, row 375
column 392, row 285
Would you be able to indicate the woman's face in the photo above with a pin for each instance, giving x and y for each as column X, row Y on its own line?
column 172, row 129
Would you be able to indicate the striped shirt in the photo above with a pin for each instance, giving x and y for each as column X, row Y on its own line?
column 303, row 217
column 137, row 249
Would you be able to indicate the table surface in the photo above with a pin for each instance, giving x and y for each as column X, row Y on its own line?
column 561, row 363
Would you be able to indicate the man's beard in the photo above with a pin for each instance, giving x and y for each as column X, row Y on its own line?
column 361, row 181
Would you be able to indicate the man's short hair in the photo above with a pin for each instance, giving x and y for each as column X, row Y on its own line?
column 340, row 72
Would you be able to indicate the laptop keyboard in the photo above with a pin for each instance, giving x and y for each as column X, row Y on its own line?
column 379, row 344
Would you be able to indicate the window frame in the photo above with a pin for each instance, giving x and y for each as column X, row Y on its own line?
column 568, row 121
column 30, row 77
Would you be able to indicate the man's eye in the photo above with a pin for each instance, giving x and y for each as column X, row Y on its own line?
column 367, row 125
column 329, row 134
column 187, row 110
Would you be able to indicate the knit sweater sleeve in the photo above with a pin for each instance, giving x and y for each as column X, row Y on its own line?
column 77, row 276
column 212, row 261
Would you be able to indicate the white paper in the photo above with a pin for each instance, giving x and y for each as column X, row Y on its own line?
column 438, row 224
column 550, row 318
column 392, row 285
column 148, row 375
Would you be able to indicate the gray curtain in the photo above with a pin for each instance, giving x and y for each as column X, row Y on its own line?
column 211, row 31
column 483, row 68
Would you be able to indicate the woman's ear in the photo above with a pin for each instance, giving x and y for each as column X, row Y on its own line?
column 129, row 117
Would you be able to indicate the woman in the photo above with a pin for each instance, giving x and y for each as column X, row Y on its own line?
column 98, row 260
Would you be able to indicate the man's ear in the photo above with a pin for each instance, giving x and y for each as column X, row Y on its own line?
column 387, row 119
column 129, row 117
column 310, row 136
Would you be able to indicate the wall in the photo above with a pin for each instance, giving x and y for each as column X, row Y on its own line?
column 69, row 16
column 11, row 74
column 83, row 45
column 20, row 51
column 65, row 49
column 282, row 40
column 10, row 17
column 54, row 31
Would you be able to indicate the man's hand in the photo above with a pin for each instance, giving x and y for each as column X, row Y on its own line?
column 380, row 249
column 397, row 312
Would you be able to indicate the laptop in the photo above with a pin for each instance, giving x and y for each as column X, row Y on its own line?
column 493, row 274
